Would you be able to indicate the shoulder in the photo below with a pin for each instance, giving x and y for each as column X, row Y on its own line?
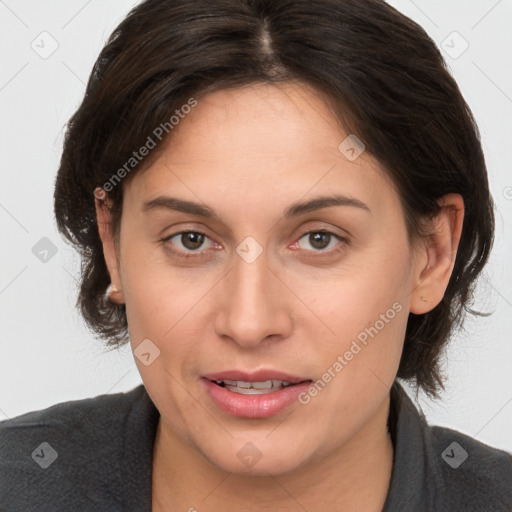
column 473, row 475
column 54, row 458
column 441, row 469
column 68, row 412
column 77, row 418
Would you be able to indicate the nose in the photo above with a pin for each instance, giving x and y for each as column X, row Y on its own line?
column 254, row 304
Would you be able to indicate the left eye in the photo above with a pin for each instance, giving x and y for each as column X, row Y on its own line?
column 320, row 240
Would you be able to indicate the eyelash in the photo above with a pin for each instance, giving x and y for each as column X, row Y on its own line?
column 201, row 254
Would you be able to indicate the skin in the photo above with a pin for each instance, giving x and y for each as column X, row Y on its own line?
column 249, row 154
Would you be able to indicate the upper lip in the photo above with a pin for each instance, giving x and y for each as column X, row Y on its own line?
column 258, row 376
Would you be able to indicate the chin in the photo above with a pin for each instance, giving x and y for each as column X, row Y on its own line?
column 246, row 457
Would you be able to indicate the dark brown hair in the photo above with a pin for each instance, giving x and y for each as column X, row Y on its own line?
column 384, row 78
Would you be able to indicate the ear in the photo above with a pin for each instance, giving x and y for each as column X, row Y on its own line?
column 436, row 257
column 109, row 251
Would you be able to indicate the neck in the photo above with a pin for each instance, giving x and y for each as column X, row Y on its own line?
column 354, row 477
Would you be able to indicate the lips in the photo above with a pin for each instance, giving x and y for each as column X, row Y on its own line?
column 259, row 376
column 254, row 395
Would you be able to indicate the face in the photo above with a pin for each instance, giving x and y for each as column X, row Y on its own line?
column 315, row 296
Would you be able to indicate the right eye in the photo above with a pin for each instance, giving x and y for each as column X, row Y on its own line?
column 188, row 243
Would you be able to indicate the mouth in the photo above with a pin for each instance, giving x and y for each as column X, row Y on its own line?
column 254, row 395
column 253, row 388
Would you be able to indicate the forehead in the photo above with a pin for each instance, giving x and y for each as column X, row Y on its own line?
column 262, row 144
column 275, row 118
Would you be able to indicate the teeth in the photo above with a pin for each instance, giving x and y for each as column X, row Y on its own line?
column 254, row 388
column 250, row 391
column 264, row 385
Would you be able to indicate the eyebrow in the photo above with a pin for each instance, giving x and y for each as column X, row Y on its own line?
column 294, row 210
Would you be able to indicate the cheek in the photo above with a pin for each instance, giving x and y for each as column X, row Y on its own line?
column 157, row 295
column 168, row 306
column 163, row 311
column 367, row 341
column 356, row 369
column 367, row 312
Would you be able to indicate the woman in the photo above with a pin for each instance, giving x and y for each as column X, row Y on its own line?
column 283, row 206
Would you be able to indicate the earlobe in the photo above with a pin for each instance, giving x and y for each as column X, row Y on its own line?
column 438, row 255
column 114, row 291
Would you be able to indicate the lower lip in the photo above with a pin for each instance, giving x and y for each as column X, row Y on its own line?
column 254, row 406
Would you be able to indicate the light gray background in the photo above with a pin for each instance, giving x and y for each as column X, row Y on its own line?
column 48, row 356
